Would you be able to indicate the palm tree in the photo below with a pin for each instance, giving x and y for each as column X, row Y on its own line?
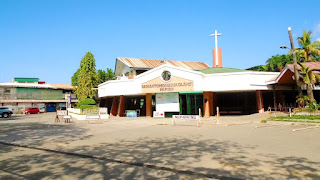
column 308, row 51
column 309, row 78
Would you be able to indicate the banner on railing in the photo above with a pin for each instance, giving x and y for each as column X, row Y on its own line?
column 185, row 116
column 103, row 110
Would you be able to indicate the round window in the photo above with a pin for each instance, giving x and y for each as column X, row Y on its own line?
column 166, row 76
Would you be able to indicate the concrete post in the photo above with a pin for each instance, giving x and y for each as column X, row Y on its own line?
column 114, row 107
column 121, row 106
column 260, row 107
column 148, row 104
column 208, row 106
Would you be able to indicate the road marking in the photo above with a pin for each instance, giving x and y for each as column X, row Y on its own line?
column 238, row 124
column 271, row 125
column 210, row 124
column 314, row 127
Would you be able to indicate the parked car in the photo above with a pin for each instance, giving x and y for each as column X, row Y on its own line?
column 5, row 112
column 32, row 110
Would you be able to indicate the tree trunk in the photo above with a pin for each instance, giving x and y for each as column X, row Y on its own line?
column 310, row 92
column 294, row 56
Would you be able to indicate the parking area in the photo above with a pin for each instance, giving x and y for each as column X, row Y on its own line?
column 145, row 148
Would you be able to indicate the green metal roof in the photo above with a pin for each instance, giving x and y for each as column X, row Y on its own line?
column 26, row 79
column 221, row 70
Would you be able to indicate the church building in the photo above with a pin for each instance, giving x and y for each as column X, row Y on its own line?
column 183, row 87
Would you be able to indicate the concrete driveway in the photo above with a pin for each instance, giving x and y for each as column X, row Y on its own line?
column 144, row 148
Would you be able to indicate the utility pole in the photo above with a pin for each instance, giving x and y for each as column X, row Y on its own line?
column 295, row 64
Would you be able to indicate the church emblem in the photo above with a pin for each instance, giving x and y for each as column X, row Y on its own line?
column 166, row 76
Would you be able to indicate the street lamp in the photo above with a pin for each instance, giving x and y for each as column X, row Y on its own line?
column 295, row 65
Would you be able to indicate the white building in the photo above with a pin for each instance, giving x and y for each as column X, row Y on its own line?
column 175, row 88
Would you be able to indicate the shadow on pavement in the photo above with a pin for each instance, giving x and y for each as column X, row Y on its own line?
column 199, row 158
column 226, row 160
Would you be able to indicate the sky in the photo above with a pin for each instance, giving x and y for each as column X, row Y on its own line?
column 47, row 38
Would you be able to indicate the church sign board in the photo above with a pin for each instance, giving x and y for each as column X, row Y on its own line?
column 167, row 83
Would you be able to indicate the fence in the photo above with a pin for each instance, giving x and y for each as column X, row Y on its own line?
column 74, row 110
column 88, row 111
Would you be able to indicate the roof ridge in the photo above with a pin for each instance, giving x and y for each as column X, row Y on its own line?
column 152, row 63
column 214, row 70
column 228, row 67
column 162, row 60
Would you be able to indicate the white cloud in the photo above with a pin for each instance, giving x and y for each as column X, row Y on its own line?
column 316, row 32
column 318, row 28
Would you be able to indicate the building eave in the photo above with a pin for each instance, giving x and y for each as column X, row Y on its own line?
column 33, row 101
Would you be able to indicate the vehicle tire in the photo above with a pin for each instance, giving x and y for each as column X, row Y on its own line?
column 5, row 115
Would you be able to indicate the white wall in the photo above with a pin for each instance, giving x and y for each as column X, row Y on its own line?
column 133, row 86
column 239, row 81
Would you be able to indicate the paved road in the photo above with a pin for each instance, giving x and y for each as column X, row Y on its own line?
column 184, row 151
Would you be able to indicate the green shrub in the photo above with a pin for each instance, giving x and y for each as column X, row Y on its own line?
column 306, row 104
column 87, row 101
column 313, row 106
column 303, row 100
column 88, row 107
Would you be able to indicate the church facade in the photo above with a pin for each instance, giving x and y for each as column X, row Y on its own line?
column 186, row 88
column 173, row 87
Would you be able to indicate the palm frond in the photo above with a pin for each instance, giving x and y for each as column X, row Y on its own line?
column 315, row 51
column 317, row 77
column 302, row 66
column 312, row 77
column 315, row 44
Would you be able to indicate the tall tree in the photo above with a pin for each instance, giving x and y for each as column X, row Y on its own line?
column 104, row 76
column 110, row 74
column 308, row 51
column 87, row 78
column 75, row 77
column 258, row 68
column 277, row 62
column 274, row 64
column 309, row 78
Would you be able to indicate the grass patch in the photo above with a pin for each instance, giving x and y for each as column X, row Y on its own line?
column 306, row 117
column 295, row 118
